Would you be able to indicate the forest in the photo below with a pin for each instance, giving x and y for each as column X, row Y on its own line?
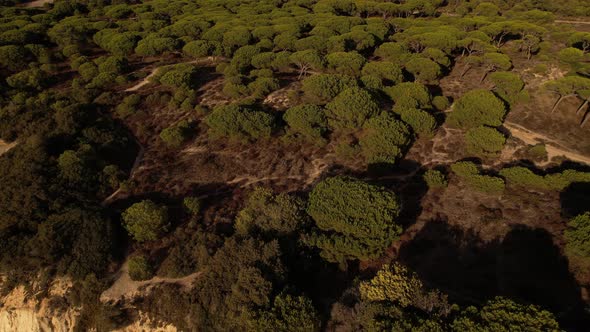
column 295, row 165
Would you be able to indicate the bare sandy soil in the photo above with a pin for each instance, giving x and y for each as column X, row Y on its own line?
column 125, row 288
column 6, row 146
column 36, row 3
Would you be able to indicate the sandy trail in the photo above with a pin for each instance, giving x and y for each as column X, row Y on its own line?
column 143, row 82
column 36, row 3
column 146, row 80
column 4, row 147
column 572, row 22
column 554, row 148
column 124, row 287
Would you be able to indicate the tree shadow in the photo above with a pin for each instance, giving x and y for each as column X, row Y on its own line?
column 524, row 265
column 575, row 199
column 405, row 178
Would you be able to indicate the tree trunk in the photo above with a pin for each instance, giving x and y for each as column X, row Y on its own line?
column 582, row 106
column 483, row 77
column 561, row 98
column 467, row 68
column 584, row 119
column 557, row 103
column 529, row 54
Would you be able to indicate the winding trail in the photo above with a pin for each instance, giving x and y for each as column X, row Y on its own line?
column 36, row 3
column 145, row 81
column 124, row 287
column 571, row 22
column 554, row 148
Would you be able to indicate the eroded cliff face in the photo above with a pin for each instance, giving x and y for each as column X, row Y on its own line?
column 22, row 312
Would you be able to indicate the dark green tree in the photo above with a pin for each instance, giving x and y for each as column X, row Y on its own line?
column 145, row 221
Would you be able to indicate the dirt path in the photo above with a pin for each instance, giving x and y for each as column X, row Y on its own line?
column 146, row 80
column 4, row 147
column 554, row 149
column 572, row 22
column 143, row 82
column 124, row 287
column 36, row 3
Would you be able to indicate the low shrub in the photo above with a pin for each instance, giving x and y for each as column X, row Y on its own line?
column 469, row 172
column 435, row 179
column 577, row 236
column 175, row 135
column 192, row 205
column 240, row 122
column 484, row 141
column 140, row 268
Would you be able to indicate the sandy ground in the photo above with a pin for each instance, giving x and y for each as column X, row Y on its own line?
column 124, row 287
column 36, row 3
column 6, row 146
column 554, row 149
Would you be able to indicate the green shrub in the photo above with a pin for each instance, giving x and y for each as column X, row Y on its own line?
column 351, row 108
column 322, row 88
column 180, row 76
column 484, row 141
column 192, row 205
column 435, row 179
column 421, row 122
column 537, row 152
column 394, row 52
column 560, row 181
column 409, row 95
column 145, row 221
column 347, row 63
column 524, row 177
column 469, row 172
column 316, row 43
column 88, row 71
column 557, row 181
column 103, row 80
column 476, row 108
column 388, row 72
column 127, row 107
column 355, row 220
column 372, row 83
column 509, row 86
column 385, row 139
column 240, row 122
column 270, row 214
column 113, row 64
column 263, row 60
column 306, row 60
column 441, row 103
column 393, row 283
column 424, row 70
column 262, row 86
column 176, row 134
column 139, row 268
column 152, row 46
column 13, row 57
column 500, row 314
column 289, row 313
column 198, row 48
column 33, row 78
column 307, row 120
column 577, row 236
